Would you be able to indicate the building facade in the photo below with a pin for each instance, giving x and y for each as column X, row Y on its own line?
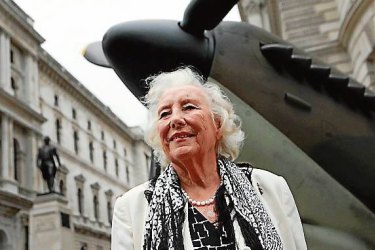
column 101, row 156
column 340, row 33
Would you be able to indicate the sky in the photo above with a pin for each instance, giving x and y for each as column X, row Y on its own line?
column 68, row 26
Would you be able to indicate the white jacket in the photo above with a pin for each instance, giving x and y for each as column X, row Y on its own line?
column 130, row 213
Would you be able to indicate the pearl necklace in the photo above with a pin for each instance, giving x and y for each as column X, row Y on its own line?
column 199, row 203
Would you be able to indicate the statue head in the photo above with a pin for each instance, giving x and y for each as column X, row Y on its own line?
column 46, row 140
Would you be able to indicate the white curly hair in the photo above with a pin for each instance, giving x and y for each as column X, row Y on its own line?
column 230, row 124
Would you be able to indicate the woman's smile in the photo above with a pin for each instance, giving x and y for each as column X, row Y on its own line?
column 186, row 125
column 180, row 136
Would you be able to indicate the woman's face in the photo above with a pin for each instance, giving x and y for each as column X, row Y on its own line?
column 186, row 126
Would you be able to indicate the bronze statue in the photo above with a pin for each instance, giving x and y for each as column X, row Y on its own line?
column 46, row 162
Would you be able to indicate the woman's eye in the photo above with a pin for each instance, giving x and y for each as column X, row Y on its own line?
column 163, row 114
column 189, row 107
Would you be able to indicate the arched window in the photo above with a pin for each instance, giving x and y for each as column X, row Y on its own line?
column 80, row 200
column 96, row 207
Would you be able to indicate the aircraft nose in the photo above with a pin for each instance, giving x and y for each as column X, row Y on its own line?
column 151, row 46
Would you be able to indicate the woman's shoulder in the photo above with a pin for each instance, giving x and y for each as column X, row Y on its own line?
column 134, row 193
column 250, row 170
column 259, row 175
column 265, row 175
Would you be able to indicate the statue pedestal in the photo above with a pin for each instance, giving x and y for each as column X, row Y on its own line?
column 50, row 223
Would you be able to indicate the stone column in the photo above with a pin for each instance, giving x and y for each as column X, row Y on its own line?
column 30, row 78
column 5, row 146
column 5, row 70
column 7, row 181
column 28, row 83
column 30, row 163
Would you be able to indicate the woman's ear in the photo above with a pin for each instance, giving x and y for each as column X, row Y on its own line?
column 218, row 124
column 217, row 121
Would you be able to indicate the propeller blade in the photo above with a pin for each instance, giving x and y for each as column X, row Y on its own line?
column 201, row 15
column 94, row 54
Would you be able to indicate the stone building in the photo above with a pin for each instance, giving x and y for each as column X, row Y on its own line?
column 340, row 33
column 101, row 156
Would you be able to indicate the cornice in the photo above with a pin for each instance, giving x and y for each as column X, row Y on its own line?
column 352, row 19
column 69, row 83
column 85, row 230
column 95, row 186
column 109, row 193
column 11, row 203
column 20, row 23
column 21, row 106
column 80, row 178
column 20, row 112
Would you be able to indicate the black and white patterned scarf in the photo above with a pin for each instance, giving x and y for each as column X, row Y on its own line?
column 163, row 229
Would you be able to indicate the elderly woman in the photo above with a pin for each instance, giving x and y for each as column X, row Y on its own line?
column 202, row 200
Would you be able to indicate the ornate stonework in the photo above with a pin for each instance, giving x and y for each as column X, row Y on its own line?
column 340, row 33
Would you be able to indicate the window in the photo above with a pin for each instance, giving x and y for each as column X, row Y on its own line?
column 76, row 139
column 102, row 135
column 16, row 159
column 109, row 196
column 109, row 212
column 80, row 181
column 91, row 151
column 58, row 130
column 74, row 113
column 80, row 201
column 114, row 144
column 11, row 56
column 26, row 237
column 105, row 160
column 125, row 153
column 61, row 187
column 65, row 220
column 89, row 125
column 83, row 246
column 56, row 100
column 13, row 84
column 96, row 207
column 116, row 166
column 127, row 173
